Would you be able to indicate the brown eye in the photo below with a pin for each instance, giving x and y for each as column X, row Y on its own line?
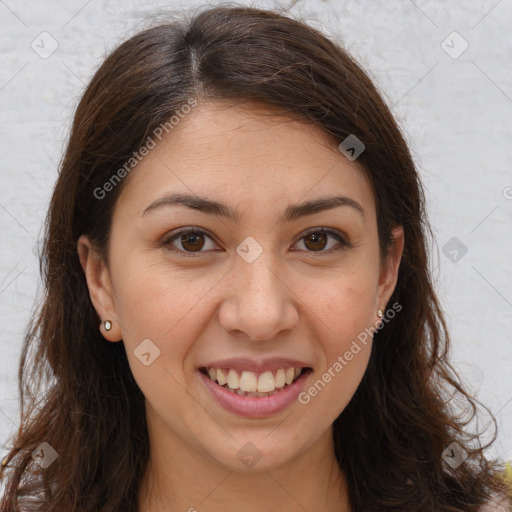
column 317, row 241
column 189, row 241
column 192, row 242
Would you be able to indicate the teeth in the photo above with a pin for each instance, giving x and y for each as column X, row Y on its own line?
column 280, row 378
column 266, row 382
column 233, row 380
column 252, row 384
column 221, row 377
column 248, row 382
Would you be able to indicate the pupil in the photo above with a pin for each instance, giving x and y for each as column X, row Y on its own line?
column 316, row 239
column 192, row 239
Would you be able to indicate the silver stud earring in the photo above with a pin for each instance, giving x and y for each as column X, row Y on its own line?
column 380, row 313
column 107, row 325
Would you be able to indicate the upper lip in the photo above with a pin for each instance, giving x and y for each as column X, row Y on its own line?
column 251, row 365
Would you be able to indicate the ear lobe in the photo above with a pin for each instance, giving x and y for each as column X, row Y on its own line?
column 389, row 269
column 100, row 287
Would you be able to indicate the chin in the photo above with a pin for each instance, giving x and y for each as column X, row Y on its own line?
column 256, row 453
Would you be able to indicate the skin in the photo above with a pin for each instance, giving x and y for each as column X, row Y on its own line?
column 300, row 298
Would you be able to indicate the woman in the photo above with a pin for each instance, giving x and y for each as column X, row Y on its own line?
column 238, row 307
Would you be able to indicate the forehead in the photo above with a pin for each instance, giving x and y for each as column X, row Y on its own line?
column 250, row 153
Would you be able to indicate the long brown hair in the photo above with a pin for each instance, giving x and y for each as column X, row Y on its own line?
column 77, row 391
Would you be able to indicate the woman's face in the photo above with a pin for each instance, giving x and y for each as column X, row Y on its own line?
column 251, row 286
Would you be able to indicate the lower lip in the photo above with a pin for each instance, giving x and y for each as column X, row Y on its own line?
column 253, row 406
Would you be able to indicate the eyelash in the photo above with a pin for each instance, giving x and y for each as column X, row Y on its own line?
column 175, row 234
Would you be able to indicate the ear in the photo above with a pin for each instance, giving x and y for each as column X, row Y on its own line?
column 389, row 269
column 100, row 287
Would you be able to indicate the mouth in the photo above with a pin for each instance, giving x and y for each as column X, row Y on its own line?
column 254, row 384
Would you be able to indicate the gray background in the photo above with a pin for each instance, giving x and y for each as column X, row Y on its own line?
column 455, row 110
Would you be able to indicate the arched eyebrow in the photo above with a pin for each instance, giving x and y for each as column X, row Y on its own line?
column 292, row 212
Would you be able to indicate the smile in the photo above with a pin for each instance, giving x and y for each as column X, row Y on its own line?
column 242, row 392
column 247, row 383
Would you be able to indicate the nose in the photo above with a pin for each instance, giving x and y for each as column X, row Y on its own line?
column 259, row 303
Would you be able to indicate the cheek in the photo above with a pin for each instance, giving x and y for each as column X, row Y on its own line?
column 168, row 307
column 345, row 311
column 150, row 296
column 349, row 313
column 163, row 304
column 159, row 323
column 344, row 303
column 326, row 396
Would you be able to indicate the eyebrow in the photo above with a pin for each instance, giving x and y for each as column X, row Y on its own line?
column 292, row 212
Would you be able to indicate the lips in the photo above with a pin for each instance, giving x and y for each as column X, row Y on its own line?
column 255, row 389
column 252, row 376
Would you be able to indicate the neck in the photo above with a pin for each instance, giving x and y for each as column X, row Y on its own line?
column 180, row 478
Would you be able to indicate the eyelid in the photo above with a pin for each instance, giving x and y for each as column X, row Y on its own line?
column 339, row 235
column 329, row 231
